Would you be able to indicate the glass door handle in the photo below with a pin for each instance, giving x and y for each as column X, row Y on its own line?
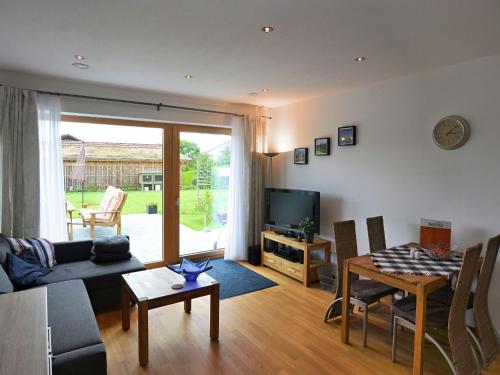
column 177, row 203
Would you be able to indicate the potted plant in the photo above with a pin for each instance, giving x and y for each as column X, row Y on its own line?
column 152, row 208
column 307, row 226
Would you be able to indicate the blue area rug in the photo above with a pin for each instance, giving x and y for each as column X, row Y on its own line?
column 235, row 279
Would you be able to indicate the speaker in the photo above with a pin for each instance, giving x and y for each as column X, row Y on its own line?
column 254, row 255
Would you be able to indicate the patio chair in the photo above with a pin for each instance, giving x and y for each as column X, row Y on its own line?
column 109, row 212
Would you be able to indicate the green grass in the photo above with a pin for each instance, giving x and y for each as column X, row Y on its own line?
column 136, row 203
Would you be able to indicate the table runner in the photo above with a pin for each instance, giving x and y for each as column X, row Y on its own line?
column 398, row 260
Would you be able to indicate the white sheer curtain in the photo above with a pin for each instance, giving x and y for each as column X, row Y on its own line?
column 52, row 204
column 239, row 191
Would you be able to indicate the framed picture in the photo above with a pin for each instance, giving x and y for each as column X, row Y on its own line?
column 322, row 146
column 300, row 155
column 347, row 136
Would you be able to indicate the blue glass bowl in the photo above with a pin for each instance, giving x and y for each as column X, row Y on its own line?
column 190, row 270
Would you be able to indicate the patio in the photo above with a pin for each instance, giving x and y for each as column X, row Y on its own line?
column 145, row 233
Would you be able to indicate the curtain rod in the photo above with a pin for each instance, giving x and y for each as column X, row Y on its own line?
column 158, row 106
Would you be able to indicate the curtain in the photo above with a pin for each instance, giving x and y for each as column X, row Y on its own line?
column 238, row 200
column 52, row 204
column 246, row 185
column 257, row 125
column 20, row 190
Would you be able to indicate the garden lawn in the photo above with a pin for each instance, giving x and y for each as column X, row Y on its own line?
column 137, row 201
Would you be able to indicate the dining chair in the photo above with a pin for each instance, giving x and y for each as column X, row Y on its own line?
column 363, row 292
column 442, row 315
column 484, row 334
column 376, row 233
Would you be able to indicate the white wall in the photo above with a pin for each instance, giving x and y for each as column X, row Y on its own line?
column 396, row 170
column 101, row 108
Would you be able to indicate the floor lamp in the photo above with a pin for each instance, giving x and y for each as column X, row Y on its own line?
column 270, row 155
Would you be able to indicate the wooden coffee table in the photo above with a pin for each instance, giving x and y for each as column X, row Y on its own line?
column 153, row 288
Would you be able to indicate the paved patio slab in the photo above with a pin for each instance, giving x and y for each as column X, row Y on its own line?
column 145, row 233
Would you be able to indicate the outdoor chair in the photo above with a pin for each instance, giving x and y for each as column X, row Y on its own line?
column 109, row 212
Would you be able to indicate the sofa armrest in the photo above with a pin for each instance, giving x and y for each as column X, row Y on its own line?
column 73, row 251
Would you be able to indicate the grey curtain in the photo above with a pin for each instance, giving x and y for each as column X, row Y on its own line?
column 257, row 126
column 19, row 163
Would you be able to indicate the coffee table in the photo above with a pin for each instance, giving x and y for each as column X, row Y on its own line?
column 152, row 288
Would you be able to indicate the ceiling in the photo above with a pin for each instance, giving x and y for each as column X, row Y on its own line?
column 152, row 44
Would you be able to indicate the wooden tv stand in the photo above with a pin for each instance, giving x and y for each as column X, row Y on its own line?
column 306, row 272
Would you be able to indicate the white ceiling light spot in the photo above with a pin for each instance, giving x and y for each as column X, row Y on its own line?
column 188, row 76
column 79, row 57
column 360, row 59
column 268, row 29
column 265, row 90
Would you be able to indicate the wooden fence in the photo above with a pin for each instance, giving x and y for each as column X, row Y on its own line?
column 100, row 173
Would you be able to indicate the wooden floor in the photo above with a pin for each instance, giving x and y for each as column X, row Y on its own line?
column 278, row 330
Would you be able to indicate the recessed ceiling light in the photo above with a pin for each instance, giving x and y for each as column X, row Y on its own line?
column 253, row 93
column 267, row 29
column 188, row 76
column 360, row 59
column 80, row 65
column 265, row 90
column 79, row 57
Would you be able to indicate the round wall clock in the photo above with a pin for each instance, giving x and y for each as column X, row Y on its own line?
column 451, row 132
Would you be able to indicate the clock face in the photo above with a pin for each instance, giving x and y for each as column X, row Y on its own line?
column 451, row 132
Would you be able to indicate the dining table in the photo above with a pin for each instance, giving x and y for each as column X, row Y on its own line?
column 419, row 284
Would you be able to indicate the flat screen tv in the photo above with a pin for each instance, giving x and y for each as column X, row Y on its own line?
column 286, row 208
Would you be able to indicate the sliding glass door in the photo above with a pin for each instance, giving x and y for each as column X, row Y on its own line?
column 204, row 155
column 174, row 180
column 114, row 183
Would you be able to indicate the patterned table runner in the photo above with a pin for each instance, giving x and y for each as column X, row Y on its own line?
column 398, row 260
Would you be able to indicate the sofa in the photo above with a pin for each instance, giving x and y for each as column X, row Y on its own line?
column 76, row 288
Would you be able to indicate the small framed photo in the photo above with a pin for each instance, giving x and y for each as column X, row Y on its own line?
column 300, row 155
column 347, row 136
column 322, row 146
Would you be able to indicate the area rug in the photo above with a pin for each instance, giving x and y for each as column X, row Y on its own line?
column 235, row 279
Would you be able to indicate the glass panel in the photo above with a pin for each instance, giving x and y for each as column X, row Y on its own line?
column 128, row 158
column 204, row 182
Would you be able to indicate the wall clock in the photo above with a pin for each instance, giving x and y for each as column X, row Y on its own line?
column 451, row 132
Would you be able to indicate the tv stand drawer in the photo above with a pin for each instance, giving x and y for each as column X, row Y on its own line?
column 295, row 270
column 272, row 261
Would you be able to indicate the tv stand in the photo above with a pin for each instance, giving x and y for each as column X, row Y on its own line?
column 286, row 233
column 304, row 272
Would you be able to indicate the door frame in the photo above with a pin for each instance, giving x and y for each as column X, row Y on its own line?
column 171, row 172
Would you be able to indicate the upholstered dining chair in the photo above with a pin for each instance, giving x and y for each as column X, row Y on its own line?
column 483, row 332
column 442, row 315
column 376, row 233
column 363, row 292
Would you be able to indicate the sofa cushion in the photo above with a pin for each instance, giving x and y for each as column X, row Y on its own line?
column 84, row 361
column 95, row 276
column 6, row 285
column 4, row 249
column 71, row 317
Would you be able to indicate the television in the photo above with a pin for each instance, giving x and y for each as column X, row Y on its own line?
column 286, row 208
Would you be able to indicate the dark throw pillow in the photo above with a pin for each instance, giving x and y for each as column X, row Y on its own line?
column 23, row 274
column 101, row 257
column 112, row 245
